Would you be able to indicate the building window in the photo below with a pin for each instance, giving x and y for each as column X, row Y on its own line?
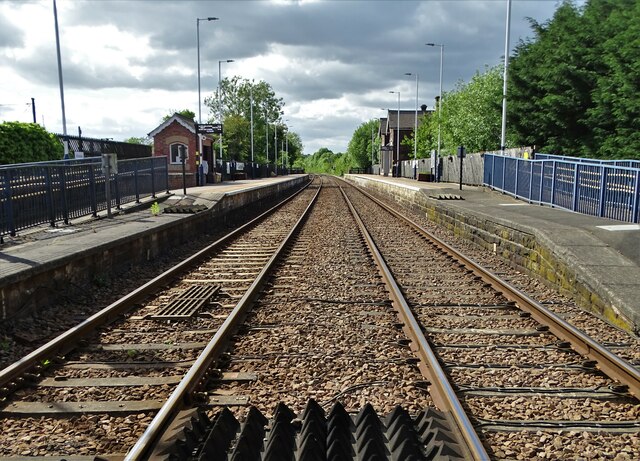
column 174, row 152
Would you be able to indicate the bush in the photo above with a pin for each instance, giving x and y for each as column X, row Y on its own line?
column 27, row 142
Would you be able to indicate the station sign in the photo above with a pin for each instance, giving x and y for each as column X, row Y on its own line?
column 209, row 128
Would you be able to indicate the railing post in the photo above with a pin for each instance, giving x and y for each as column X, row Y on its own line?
column 135, row 180
column 576, row 177
column 166, row 172
column 116, row 183
column 542, row 165
column 553, row 184
column 504, row 172
column 531, row 165
column 50, row 202
column 92, row 191
column 603, row 183
column 153, row 181
column 493, row 171
column 636, row 199
column 63, row 191
column 516, row 184
column 9, row 203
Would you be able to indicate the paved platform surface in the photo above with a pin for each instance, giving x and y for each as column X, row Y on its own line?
column 46, row 245
column 607, row 250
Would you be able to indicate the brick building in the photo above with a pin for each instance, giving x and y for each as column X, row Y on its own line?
column 168, row 137
column 390, row 129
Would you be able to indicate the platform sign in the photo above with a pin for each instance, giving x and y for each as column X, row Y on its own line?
column 209, row 128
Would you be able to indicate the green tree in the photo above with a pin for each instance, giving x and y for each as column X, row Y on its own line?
column 138, row 140
column 362, row 143
column 324, row 161
column 471, row 114
column 234, row 100
column 27, row 142
column 184, row 112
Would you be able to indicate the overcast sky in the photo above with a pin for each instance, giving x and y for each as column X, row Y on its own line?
column 127, row 63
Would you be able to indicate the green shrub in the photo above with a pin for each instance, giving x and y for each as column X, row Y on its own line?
column 27, row 142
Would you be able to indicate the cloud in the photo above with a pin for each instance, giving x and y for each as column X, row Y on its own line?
column 333, row 62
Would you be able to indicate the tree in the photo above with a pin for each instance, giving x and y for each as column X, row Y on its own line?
column 27, row 142
column 146, row 141
column 471, row 114
column 362, row 144
column 234, row 100
column 184, row 112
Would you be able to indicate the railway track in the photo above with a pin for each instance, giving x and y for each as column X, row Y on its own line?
column 338, row 348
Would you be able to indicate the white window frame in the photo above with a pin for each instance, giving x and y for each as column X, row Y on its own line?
column 177, row 160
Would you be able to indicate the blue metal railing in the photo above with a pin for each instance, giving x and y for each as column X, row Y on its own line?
column 596, row 189
column 50, row 192
column 622, row 163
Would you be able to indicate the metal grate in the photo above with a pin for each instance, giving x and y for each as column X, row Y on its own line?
column 187, row 303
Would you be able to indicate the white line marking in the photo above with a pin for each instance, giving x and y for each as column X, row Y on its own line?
column 620, row 227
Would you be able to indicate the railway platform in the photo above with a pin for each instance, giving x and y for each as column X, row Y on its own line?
column 45, row 262
column 595, row 260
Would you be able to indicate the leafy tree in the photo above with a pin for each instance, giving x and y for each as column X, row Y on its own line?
column 234, row 100
column 361, row 144
column 27, row 142
column 574, row 87
column 184, row 112
column 471, row 115
column 324, row 161
column 138, row 140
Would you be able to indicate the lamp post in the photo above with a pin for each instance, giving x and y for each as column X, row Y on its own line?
column 199, row 96
column 64, row 117
column 198, row 46
column 503, row 134
column 439, row 104
column 415, row 132
column 275, row 161
column 220, row 105
column 397, row 140
column 288, row 163
column 251, row 109
column 266, row 123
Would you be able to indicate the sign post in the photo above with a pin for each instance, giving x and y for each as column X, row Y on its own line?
column 461, row 155
column 109, row 167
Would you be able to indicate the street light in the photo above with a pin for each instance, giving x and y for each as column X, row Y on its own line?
column 503, row 135
column 415, row 132
column 398, row 135
column 198, row 43
column 439, row 104
column 220, row 105
column 199, row 96
column 287, row 143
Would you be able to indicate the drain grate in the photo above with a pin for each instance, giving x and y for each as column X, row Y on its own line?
column 446, row 197
column 184, row 209
column 313, row 436
column 187, row 303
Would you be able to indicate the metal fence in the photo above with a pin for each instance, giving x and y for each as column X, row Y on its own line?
column 51, row 192
column 590, row 188
column 622, row 163
column 94, row 147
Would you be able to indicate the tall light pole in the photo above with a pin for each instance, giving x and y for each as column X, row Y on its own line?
column 198, row 43
column 504, row 83
column 286, row 149
column 266, row 122
column 199, row 96
column 275, row 162
column 439, row 108
column 251, row 109
column 64, row 117
column 398, row 136
column 415, row 132
column 220, row 103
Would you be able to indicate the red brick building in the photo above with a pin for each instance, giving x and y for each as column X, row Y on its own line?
column 169, row 137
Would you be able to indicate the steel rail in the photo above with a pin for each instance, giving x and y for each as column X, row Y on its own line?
column 197, row 373
column 609, row 363
column 441, row 390
column 68, row 339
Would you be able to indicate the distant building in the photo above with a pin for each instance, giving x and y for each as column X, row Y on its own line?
column 168, row 137
column 389, row 131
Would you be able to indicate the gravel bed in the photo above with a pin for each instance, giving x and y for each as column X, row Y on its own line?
column 117, row 373
column 552, row 408
column 490, row 340
column 134, row 355
column 79, row 435
column 569, row 445
column 180, row 334
column 101, row 394
column 493, row 323
column 507, row 356
column 527, row 377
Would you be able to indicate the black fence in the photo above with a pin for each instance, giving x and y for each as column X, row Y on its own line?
column 93, row 147
column 236, row 170
column 50, row 192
